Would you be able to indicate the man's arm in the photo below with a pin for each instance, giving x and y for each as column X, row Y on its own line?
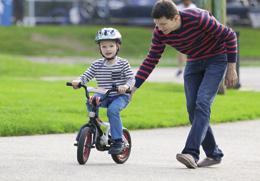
column 152, row 59
column 209, row 24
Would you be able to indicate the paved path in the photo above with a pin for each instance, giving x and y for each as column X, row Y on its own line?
column 52, row 157
column 250, row 77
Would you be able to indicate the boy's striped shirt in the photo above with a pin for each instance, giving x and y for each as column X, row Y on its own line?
column 106, row 75
column 200, row 36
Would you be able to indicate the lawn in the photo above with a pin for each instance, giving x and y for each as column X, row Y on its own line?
column 29, row 105
column 79, row 41
column 70, row 41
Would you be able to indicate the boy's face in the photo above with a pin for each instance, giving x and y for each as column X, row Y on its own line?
column 108, row 48
column 168, row 25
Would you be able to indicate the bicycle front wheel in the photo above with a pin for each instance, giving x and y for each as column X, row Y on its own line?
column 84, row 145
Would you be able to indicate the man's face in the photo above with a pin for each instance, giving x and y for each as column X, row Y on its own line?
column 168, row 25
column 186, row 2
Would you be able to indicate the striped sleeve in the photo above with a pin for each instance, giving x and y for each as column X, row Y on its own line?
column 128, row 74
column 151, row 60
column 88, row 74
column 209, row 24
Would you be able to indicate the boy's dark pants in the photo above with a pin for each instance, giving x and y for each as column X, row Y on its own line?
column 201, row 82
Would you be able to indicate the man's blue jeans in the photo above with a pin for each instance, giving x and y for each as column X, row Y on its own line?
column 201, row 81
column 114, row 106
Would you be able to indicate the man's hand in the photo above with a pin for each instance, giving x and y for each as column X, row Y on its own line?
column 75, row 84
column 122, row 89
column 231, row 75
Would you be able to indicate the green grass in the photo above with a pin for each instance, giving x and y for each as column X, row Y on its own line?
column 30, row 106
column 250, row 63
column 70, row 41
column 14, row 66
column 249, row 43
column 79, row 41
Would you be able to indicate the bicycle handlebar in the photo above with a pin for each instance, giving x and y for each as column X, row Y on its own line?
column 114, row 89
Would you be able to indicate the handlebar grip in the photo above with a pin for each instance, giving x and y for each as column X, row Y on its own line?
column 68, row 84
column 128, row 91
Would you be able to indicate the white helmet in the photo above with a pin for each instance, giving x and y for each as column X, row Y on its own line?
column 108, row 34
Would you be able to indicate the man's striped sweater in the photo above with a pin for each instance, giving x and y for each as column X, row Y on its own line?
column 200, row 36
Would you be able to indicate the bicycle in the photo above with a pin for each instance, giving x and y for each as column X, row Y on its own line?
column 96, row 133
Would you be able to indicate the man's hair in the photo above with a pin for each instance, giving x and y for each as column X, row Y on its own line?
column 164, row 8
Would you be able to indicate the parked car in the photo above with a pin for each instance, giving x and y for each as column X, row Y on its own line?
column 243, row 12
column 58, row 11
column 135, row 12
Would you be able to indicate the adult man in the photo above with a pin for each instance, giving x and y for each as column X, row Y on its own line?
column 211, row 48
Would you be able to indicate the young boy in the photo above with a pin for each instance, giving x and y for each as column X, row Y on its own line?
column 212, row 49
column 108, row 71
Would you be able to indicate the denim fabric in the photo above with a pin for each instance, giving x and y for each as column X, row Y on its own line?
column 114, row 106
column 201, row 82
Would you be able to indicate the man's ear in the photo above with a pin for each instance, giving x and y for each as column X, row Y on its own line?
column 176, row 17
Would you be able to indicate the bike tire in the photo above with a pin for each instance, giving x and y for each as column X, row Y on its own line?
column 123, row 157
column 84, row 145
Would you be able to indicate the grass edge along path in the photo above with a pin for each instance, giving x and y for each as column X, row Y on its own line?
column 30, row 106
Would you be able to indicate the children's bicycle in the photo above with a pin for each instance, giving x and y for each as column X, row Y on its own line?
column 96, row 133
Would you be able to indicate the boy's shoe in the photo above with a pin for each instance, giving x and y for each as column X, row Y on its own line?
column 116, row 148
column 207, row 162
column 187, row 160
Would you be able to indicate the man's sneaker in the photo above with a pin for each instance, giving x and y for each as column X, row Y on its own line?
column 208, row 162
column 187, row 160
column 116, row 148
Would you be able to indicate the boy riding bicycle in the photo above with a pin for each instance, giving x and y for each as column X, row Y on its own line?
column 110, row 71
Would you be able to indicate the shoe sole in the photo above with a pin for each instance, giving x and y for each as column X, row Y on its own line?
column 209, row 164
column 186, row 162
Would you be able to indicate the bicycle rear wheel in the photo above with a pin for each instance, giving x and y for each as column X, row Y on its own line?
column 84, row 145
column 123, row 157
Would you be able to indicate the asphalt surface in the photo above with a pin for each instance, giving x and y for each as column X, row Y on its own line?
column 52, row 157
column 249, row 77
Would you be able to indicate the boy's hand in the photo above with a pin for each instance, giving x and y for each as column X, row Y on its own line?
column 75, row 84
column 94, row 100
column 122, row 89
column 231, row 75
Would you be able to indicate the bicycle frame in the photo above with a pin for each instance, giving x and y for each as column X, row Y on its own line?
column 91, row 135
column 94, row 122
